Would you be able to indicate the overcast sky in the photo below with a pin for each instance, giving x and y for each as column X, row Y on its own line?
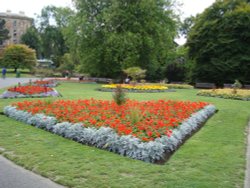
column 33, row 7
column 30, row 7
column 192, row 7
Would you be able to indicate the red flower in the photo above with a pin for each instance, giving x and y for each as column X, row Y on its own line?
column 147, row 120
column 30, row 90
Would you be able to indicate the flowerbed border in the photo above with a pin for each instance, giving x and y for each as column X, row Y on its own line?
column 137, row 90
column 157, row 151
column 224, row 97
column 51, row 85
column 13, row 95
column 179, row 86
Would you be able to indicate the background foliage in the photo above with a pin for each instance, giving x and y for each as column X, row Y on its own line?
column 219, row 43
column 114, row 35
column 3, row 31
column 18, row 56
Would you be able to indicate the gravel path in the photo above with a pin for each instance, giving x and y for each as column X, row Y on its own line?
column 13, row 176
column 247, row 173
column 14, row 81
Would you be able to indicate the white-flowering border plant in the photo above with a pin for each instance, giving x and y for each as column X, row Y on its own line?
column 10, row 94
column 106, row 138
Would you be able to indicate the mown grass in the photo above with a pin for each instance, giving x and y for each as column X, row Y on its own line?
column 24, row 73
column 213, row 157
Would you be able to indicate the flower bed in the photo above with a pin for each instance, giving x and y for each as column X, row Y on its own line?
column 29, row 91
column 147, row 131
column 239, row 94
column 46, row 83
column 75, row 80
column 143, row 88
column 179, row 86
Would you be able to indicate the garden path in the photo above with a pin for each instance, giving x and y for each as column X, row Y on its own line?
column 13, row 176
column 247, row 173
column 13, row 81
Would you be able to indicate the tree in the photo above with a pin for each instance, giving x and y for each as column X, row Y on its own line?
column 18, row 56
column 52, row 22
column 53, row 43
column 219, row 43
column 3, row 31
column 177, row 68
column 135, row 73
column 117, row 34
column 67, row 63
column 187, row 25
column 32, row 39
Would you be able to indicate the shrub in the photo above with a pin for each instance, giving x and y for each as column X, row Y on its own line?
column 119, row 95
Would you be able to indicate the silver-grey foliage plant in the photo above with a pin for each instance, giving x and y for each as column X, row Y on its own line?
column 107, row 138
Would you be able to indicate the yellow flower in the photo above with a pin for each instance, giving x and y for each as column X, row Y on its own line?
column 136, row 87
column 226, row 93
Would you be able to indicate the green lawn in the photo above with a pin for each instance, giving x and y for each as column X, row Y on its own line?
column 24, row 73
column 213, row 157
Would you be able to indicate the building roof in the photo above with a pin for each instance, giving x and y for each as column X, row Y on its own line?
column 19, row 15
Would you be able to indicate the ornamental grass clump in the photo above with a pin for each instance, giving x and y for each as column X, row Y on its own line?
column 119, row 95
column 236, row 85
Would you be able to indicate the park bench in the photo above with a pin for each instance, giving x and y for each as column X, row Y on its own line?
column 205, row 85
column 177, row 83
column 246, row 86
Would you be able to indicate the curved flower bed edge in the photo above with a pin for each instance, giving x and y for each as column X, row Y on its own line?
column 225, row 97
column 11, row 95
column 156, row 151
column 136, row 90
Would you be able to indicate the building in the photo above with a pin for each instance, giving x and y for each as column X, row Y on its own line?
column 45, row 63
column 17, row 24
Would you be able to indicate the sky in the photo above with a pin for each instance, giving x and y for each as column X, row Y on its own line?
column 30, row 7
column 33, row 7
column 192, row 7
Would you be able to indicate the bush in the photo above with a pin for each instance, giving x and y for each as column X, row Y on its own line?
column 119, row 96
column 42, row 72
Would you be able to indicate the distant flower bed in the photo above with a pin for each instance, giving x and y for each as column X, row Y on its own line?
column 179, row 86
column 239, row 94
column 140, row 130
column 136, row 88
column 74, row 80
column 47, row 83
column 29, row 91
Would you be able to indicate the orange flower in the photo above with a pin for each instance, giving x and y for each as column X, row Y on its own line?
column 156, row 118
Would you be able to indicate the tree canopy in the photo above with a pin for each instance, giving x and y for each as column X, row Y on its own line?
column 3, row 31
column 51, row 24
column 32, row 39
column 219, row 42
column 18, row 56
column 113, row 35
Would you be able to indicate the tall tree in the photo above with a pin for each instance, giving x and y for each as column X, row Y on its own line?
column 18, row 56
column 3, row 31
column 219, row 42
column 177, row 68
column 187, row 25
column 52, row 22
column 32, row 39
column 117, row 34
